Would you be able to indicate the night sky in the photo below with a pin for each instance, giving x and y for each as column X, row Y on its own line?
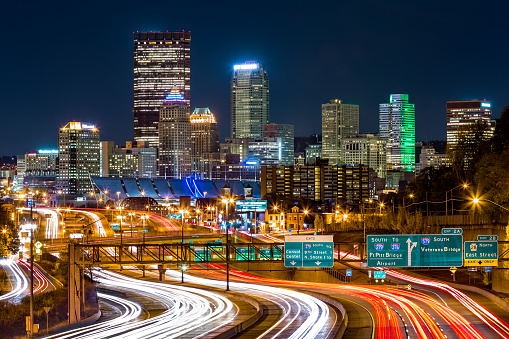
column 65, row 61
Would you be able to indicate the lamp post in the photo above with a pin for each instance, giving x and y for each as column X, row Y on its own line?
column 298, row 223
column 120, row 225
column 182, row 212
column 478, row 201
column 131, row 215
column 452, row 199
column 227, row 201
column 144, row 217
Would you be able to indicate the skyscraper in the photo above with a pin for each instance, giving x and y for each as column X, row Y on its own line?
column 204, row 141
column 174, row 137
column 464, row 113
column 339, row 120
column 249, row 100
column 397, row 126
column 79, row 158
column 286, row 133
column 161, row 62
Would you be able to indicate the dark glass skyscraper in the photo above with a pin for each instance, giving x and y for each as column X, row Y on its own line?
column 249, row 100
column 162, row 62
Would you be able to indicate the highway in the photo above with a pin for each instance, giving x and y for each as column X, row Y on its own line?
column 188, row 311
column 20, row 282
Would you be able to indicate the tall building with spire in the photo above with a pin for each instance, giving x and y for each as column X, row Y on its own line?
column 162, row 61
column 174, row 136
column 204, row 141
column 249, row 100
column 397, row 126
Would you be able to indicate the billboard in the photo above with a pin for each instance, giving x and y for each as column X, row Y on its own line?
column 254, row 205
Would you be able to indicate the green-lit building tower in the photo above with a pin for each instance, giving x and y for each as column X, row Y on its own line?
column 397, row 126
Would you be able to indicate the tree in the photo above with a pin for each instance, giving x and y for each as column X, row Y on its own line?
column 473, row 143
column 318, row 223
column 500, row 139
column 492, row 177
column 9, row 233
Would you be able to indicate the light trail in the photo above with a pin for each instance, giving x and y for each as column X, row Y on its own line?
column 20, row 280
column 96, row 222
column 303, row 315
column 131, row 311
column 42, row 282
column 187, row 309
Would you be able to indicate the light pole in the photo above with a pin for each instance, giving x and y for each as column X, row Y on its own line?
column 131, row 215
column 182, row 212
column 298, row 223
column 227, row 201
column 478, row 201
column 452, row 198
column 144, row 217
column 120, row 225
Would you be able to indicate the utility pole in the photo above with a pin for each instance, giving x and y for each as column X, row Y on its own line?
column 31, row 272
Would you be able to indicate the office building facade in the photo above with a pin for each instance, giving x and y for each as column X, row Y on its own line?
column 430, row 158
column 397, row 127
column 287, row 135
column 460, row 114
column 204, row 142
column 339, row 184
column 366, row 149
column 135, row 160
column 234, row 146
column 265, row 151
column 162, row 61
column 249, row 100
column 78, row 158
column 339, row 120
column 174, row 137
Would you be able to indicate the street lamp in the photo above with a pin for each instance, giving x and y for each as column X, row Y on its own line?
column 478, row 201
column 298, row 223
column 131, row 215
column 464, row 186
column 227, row 201
column 182, row 212
column 144, row 217
column 120, row 227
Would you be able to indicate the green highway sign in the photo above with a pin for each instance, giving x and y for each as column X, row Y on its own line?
column 309, row 251
column 452, row 230
column 201, row 253
column 481, row 253
column 245, row 253
column 277, row 253
column 379, row 274
column 487, row 238
column 415, row 250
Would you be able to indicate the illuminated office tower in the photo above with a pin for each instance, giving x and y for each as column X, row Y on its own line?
column 286, row 133
column 397, row 126
column 464, row 113
column 339, row 120
column 161, row 62
column 249, row 100
column 174, row 137
column 78, row 158
column 204, row 141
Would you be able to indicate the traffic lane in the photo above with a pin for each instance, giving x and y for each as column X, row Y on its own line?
column 240, row 312
column 271, row 311
column 455, row 303
column 303, row 316
column 361, row 321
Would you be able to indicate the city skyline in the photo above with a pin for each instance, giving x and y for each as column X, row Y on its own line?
column 100, row 90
